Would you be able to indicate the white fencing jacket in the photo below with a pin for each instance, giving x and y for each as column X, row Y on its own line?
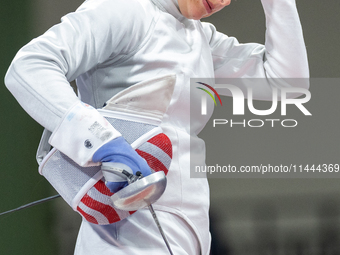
column 109, row 45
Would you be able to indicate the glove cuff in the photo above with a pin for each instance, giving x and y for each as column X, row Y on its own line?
column 81, row 132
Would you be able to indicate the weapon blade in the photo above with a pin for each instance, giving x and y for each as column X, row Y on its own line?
column 160, row 228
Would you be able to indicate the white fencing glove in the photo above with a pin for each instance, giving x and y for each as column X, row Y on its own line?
column 88, row 138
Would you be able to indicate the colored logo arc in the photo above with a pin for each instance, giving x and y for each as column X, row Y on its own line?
column 212, row 89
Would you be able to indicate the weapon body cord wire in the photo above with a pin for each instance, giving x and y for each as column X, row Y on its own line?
column 31, row 204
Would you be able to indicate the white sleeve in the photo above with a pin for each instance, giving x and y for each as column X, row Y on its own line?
column 40, row 73
column 283, row 55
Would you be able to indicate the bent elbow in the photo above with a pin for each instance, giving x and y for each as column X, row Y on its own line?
column 10, row 77
column 16, row 76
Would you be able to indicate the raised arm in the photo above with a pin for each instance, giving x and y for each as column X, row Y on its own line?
column 283, row 55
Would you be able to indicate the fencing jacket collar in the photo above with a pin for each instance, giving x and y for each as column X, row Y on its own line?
column 170, row 6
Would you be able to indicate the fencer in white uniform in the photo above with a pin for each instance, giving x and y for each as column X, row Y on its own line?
column 109, row 45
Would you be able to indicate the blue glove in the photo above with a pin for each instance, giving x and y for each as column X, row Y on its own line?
column 121, row 155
